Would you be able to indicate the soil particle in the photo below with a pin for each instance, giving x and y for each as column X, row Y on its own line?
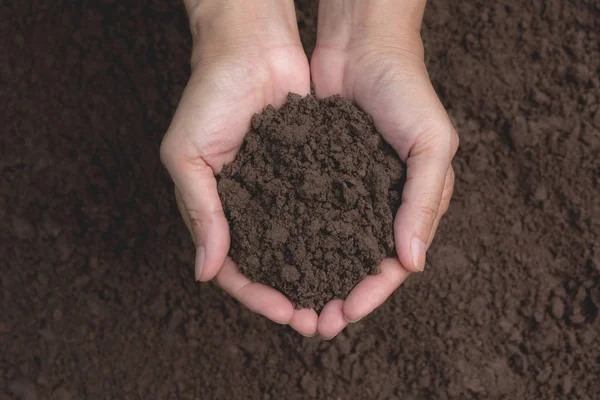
column 23, row 390
column 23, row 229
column 558, row 308
column 309, row 385
column 62, row 394
column 311, row 199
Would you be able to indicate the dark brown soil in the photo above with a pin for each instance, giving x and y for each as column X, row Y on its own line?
column 98, row 299
column 311, row 199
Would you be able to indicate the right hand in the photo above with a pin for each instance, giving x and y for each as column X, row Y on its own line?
column 371, row 52
column 244, row 58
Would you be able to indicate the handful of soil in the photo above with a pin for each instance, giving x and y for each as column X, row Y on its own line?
column 311, row 199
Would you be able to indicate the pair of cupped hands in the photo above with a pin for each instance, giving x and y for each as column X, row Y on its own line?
column 244, row 59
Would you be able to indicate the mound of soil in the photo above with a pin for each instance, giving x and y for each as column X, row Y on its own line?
column 311, row 199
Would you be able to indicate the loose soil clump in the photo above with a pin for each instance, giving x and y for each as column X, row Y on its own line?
column 311, row 199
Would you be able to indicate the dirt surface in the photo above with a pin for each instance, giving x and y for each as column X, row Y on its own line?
column 98, row 298
column 311, row 199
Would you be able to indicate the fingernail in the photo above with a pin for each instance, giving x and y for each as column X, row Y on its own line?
column 200, row 253
column 418, row 250
column 330, row 337
column 308, row 336
column 351, row 321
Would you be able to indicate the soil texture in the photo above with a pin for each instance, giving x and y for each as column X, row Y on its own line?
column 311, row 199
column 97, row 291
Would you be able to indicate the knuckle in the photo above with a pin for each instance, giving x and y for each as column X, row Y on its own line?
column 196, row 220
column 442, row 139
column 445, row 205
column 427, row 212
column 437, row 139
column 166, row 150
column 450, row 142
column 455, row 140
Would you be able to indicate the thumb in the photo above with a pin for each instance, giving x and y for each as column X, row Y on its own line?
column 427, row 165
column 201, row 209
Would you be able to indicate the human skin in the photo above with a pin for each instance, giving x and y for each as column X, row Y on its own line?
column 372, row 53
column 247, row 55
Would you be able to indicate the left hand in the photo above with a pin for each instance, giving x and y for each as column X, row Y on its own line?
column 246, row 55
column 372, row 53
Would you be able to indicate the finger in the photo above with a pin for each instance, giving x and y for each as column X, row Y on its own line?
column 259, row 298
column 330, row 54
column 374, row 290
column 305, row 322
column 287, row 67
column 436, row 224
column 444, row 204
column 331, row 320
column 184, row 215
column 427, row 165
column 201, row 208
column 325, row 66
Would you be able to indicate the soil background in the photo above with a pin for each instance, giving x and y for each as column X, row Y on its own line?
column 97, row 288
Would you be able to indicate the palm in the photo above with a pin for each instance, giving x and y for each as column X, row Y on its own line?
column 206, row 132
column 221, row 98
column 392, row 86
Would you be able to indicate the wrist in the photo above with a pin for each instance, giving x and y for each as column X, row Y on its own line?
column 221, row 27
column 343, row 23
